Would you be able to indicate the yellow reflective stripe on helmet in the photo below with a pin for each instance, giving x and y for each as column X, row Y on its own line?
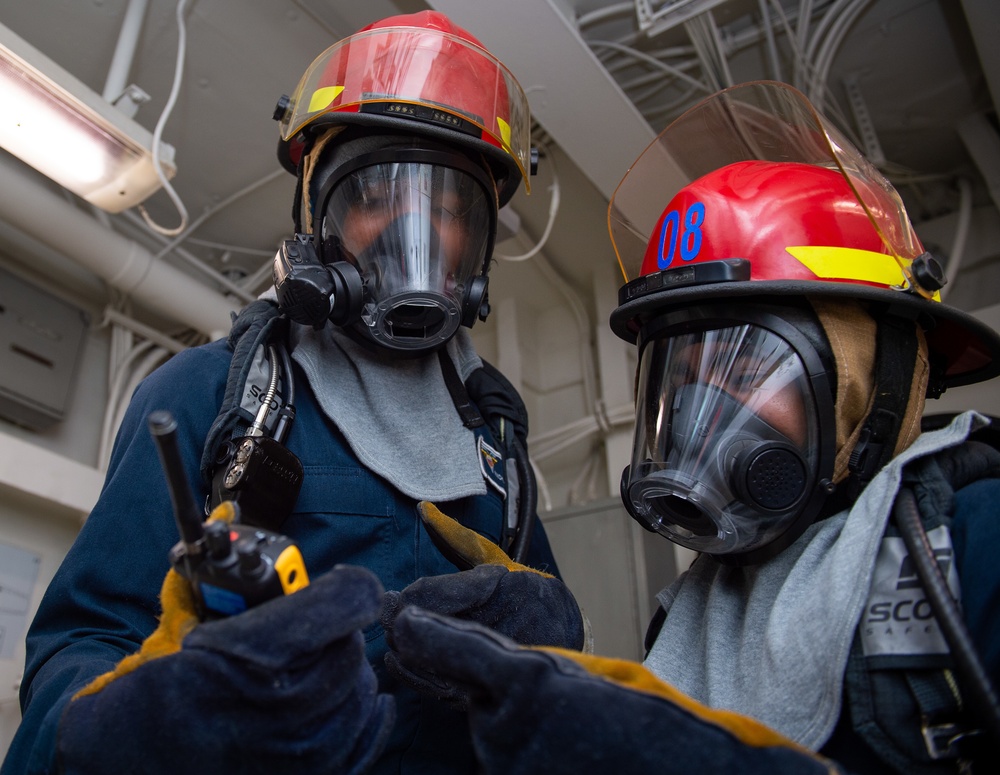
column 833, row 263
column 321, row 98
column 504, row 132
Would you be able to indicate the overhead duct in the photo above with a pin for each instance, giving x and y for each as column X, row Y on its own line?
column 126, row 265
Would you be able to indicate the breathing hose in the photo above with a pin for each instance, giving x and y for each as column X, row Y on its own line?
column 526, row 505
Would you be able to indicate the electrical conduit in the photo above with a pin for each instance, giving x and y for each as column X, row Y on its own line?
column 123, row 263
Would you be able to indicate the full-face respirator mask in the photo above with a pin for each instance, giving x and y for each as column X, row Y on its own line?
column 749, row 201
column 731, row 450
column 403, row 240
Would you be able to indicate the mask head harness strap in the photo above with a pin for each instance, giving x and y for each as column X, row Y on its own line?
column 897, row 350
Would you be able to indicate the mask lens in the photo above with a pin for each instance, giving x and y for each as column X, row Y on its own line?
column 726, row 438
column 418, row 234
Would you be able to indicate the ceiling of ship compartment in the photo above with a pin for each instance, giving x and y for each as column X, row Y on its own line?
column 914, row 82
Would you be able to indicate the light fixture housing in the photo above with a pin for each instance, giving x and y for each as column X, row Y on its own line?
column 61, row 127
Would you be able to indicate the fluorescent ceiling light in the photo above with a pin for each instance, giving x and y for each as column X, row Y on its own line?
column 68, row 132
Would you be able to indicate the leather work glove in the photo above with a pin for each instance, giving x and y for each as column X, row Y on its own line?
column 283, row 687
column 547, row 710
column 526, row 605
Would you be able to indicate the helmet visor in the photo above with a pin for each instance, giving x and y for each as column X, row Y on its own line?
column 726, row 439
column 766, row 121
column 418, row 233
column 426, row 74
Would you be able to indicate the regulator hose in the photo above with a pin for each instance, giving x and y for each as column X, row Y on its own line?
column 526, row 505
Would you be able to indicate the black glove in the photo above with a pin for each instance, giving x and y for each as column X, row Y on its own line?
column 530, row 607
column 284, row 687
column 558, row 711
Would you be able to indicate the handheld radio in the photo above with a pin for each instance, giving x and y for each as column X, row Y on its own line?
column 231, row 567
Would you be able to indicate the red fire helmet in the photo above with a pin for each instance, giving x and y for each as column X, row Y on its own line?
column 420, row 73
column 792, row 220
column 764, row 198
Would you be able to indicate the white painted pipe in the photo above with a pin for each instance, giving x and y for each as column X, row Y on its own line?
column 33, row 207
column 128, row 39
column 961, row 235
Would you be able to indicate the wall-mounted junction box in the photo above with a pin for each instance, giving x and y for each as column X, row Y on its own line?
column 41, row 339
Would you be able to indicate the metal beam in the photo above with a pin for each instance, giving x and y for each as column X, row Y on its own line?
column 983, row 17
column 983, row 144
column 571, row 94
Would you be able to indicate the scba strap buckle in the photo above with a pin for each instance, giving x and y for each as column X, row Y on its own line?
column 949, row 741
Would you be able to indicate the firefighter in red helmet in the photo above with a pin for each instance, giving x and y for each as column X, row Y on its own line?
column 406, row 139
column 790, row 329
column 840, row 611
column 421, row 74
column 343, row 402
column 783, row 210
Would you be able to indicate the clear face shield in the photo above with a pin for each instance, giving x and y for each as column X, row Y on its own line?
column 420, row 234
column 765, row 121
column 727, row 440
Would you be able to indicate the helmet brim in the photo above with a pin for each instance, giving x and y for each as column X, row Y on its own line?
column 969, row 349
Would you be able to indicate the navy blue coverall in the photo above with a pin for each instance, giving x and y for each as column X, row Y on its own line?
column 103, row 601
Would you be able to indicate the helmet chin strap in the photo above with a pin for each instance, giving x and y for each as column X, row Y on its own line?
column 302, row 209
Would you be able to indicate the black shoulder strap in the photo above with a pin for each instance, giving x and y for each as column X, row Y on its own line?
column 935, row 478
column 496, row 397
column 653, row 630
column 255, row 326
column 464, row 405
column 507, row 417
column 487, row 395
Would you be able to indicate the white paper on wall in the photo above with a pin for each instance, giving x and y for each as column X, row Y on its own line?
column 18, row 575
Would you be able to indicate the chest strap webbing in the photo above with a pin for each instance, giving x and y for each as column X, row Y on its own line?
column 256, row 325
